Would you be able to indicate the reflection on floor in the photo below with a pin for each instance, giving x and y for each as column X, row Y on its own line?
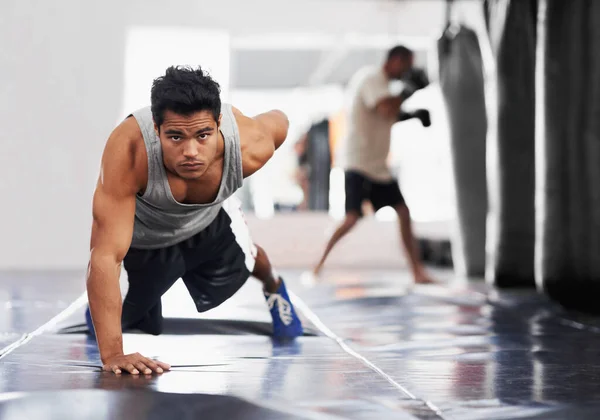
column 377, row 348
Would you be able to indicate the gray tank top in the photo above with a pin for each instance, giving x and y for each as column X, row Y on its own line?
column 160, row 220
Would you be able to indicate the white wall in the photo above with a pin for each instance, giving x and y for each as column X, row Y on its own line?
column 61, row 92
column 61, row 74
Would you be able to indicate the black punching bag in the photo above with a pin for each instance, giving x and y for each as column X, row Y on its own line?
column 568, row 184
column 319, row 158
column 511, row 144
column 462, row 85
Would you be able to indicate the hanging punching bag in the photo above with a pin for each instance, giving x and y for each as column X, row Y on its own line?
column 319, row 158
column 568, row 152
column 462, row 85
column 511, row 144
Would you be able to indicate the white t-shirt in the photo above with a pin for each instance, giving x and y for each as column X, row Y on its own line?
column 366, row 145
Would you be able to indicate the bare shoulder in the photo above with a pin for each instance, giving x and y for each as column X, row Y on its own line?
column 253, row 142
column 125, row 161
column 247, row 126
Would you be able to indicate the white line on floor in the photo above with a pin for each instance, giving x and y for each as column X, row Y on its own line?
column 314, row 318
column 52, row 323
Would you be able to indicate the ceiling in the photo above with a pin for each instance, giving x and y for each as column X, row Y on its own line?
column 328, row 44
column 289, row 68
column 285, row 44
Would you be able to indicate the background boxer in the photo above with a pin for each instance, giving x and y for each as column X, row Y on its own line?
column 373, row 110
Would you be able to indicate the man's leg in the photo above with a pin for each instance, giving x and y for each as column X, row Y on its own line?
column 356, row 187
column 410, row 245
column 264, row 271
column 342, row 230
column 389, row 194
column 150, row 273
column 285, row 320
column 220, row 261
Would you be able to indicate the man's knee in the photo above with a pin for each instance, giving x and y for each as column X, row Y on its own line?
column 260, row 253
column 403, row 211
column 351, row 220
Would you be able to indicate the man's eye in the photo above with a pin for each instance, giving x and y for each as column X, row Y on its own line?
column 203, row 136
column 175, row 138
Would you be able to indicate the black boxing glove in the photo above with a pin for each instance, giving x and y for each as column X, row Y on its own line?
column 418, row 77
column 422, row 114
column 415, row 79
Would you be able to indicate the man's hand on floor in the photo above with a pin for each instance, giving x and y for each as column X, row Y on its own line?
column 134, row 364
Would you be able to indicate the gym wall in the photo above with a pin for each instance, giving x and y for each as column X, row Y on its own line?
column 61, row 87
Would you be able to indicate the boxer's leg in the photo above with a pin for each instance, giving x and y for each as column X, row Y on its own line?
column 411, row 248
column 389, row 194
column 350, row 220
column 356, row 187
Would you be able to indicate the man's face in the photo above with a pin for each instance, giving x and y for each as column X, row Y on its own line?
column 398, row 66
column 189, row 142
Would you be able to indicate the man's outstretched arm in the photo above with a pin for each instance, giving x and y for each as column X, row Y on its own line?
column 260, row 136
column 388, row 106
column 112, row 229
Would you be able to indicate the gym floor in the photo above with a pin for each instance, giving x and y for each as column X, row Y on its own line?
column 375, row 348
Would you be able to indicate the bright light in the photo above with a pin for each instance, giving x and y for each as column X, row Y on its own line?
column 150, row 50
column 337, row 194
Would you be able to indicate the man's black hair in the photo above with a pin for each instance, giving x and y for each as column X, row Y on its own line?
column 184, row 90
column 399, row 51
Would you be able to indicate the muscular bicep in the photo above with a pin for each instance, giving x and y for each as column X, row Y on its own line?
column 112, row 227
column 114, row 202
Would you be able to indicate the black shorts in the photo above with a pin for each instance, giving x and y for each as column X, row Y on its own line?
column 214, row 264
column 360, row 188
